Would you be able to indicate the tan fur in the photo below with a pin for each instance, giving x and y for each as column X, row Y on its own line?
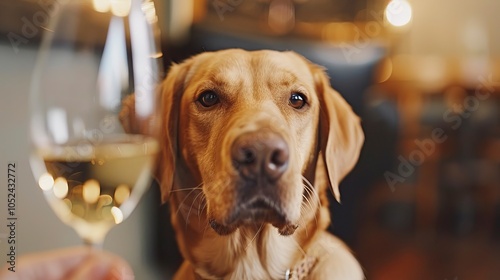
column 200, row 183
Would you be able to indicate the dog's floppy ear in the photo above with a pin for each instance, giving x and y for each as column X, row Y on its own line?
column 340, row 133
column 163, row 126
column 169, row 105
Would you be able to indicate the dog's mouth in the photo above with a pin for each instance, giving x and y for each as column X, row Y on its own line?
column 255, row 212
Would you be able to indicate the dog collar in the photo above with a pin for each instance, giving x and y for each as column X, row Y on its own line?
column 301, row 270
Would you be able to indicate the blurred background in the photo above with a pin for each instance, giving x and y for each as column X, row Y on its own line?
column 423, row 201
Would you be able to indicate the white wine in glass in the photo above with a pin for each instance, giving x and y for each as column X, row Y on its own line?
column 92, row 169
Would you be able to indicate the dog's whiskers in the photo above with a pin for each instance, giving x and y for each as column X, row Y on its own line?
column 255, row 236
column 192, row 190
column 307, row 204
column 311, row 188
column 201, row 207
column 202, row 202
column 307, row 201
column 301, row 221
column 199, row 187
column 200, row 194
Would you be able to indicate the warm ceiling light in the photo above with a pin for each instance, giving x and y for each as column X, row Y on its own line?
column 398, row 12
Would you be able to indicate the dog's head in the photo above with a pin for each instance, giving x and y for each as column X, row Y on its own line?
column 248, row 128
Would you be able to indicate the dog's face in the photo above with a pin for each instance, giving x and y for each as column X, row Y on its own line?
column 248, row 127
column 245, row 126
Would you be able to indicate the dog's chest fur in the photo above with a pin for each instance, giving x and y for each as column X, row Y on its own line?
column 252, row 255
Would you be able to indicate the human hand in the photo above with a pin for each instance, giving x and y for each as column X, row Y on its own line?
column 78, row 263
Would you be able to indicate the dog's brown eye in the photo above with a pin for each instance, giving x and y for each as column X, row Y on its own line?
column 297, row 100
column 208, row 99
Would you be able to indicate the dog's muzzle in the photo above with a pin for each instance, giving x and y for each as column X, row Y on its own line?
column 260, row 159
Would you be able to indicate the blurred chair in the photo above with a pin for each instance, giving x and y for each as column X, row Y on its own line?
column 461, row 192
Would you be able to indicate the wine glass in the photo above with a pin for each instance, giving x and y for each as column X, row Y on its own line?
column 91, row 163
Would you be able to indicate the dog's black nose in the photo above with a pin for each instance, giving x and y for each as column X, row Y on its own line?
column 261, row 154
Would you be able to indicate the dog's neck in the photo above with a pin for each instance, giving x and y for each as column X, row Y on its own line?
column 257, row 250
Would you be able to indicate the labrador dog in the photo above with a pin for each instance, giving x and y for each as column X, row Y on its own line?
column 250, row 142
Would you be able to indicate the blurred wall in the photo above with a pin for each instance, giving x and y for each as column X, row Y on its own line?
column 452, row 28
